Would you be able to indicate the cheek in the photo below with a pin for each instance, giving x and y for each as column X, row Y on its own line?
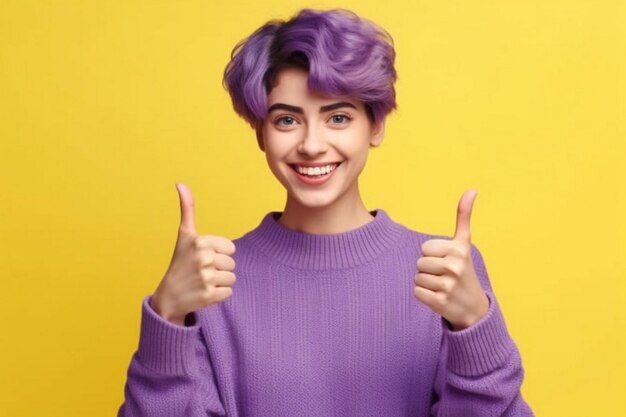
column 276, row 154
column 355, row 146
column 278, row 145
column 274, row 151
column 269, row 142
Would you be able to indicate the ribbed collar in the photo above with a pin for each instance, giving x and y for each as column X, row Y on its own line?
column 325, row 251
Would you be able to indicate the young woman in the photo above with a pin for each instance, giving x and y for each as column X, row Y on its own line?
column 336, row 310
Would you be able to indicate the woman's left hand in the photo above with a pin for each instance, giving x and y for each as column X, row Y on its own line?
column 446, row 280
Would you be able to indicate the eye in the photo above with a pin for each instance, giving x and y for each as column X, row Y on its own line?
column 285, row 121
column 340, row 119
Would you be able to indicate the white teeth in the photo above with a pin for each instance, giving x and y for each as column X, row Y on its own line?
column 316, row 170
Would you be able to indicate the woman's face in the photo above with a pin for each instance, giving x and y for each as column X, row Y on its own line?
column 315, row 145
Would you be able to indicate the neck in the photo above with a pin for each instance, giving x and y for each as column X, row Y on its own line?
column 347, row 213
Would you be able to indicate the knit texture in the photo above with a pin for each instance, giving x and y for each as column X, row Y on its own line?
column 326, row 325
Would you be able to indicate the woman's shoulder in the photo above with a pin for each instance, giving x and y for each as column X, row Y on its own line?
column 414, row 232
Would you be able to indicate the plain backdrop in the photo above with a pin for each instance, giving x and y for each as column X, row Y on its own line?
column 105, row 105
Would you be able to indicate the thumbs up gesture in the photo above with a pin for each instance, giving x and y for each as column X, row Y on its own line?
column 446, row 280
column 200, row 272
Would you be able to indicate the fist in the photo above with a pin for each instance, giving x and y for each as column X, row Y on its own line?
column 446, row 280
column 200, row 272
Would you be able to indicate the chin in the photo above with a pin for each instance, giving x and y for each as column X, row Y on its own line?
column 314, row 201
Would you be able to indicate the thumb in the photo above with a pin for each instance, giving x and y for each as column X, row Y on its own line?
column 464, row 214
column 187, row 209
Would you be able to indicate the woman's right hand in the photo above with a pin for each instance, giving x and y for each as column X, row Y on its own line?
column 200, row 272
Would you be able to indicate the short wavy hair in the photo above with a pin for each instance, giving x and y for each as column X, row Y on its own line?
column 344, row 54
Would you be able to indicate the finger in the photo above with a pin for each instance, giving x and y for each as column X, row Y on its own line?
column 431, row 265
column 426, row 296
column 187, row 208
column 224, row 279
column 216, row 243
column 219, row 262
column 222, row 293
column 429, row 282
column 439, row 247
column 464, row 214
column 210, row 295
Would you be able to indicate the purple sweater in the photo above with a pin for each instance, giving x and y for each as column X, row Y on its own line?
column 325, row 325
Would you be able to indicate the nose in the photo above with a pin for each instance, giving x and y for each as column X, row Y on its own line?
column 313, row 142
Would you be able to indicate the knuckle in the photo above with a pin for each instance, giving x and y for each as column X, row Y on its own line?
column 198, row 242
column 447, row 285
column 208, row 276
column 455, row 268
column 205, row 259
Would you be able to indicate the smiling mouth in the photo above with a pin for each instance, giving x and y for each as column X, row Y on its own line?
column 315, row 172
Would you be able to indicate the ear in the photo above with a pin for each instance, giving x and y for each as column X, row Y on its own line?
column 378, row 133
column 259, row 137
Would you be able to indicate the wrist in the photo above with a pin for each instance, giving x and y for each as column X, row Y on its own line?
column 473, row 318
column 157, row 306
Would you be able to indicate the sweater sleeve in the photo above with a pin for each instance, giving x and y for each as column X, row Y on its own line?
column 480, row 370
column 170, row 373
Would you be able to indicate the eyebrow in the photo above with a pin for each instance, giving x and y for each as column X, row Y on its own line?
column 295, row 109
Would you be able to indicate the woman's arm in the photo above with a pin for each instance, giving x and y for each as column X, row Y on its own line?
column 480, row 370
column 170, row 373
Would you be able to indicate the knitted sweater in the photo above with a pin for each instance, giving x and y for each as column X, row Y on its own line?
column 325, row 325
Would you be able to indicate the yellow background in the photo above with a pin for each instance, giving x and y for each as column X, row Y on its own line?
column 104, row 105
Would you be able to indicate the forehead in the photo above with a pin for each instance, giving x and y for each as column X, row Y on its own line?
column 291, row 87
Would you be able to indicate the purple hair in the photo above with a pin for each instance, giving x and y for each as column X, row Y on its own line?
column 345, row 55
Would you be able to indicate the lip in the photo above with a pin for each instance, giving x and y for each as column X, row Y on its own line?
column 315, row 164
column 315, row 181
